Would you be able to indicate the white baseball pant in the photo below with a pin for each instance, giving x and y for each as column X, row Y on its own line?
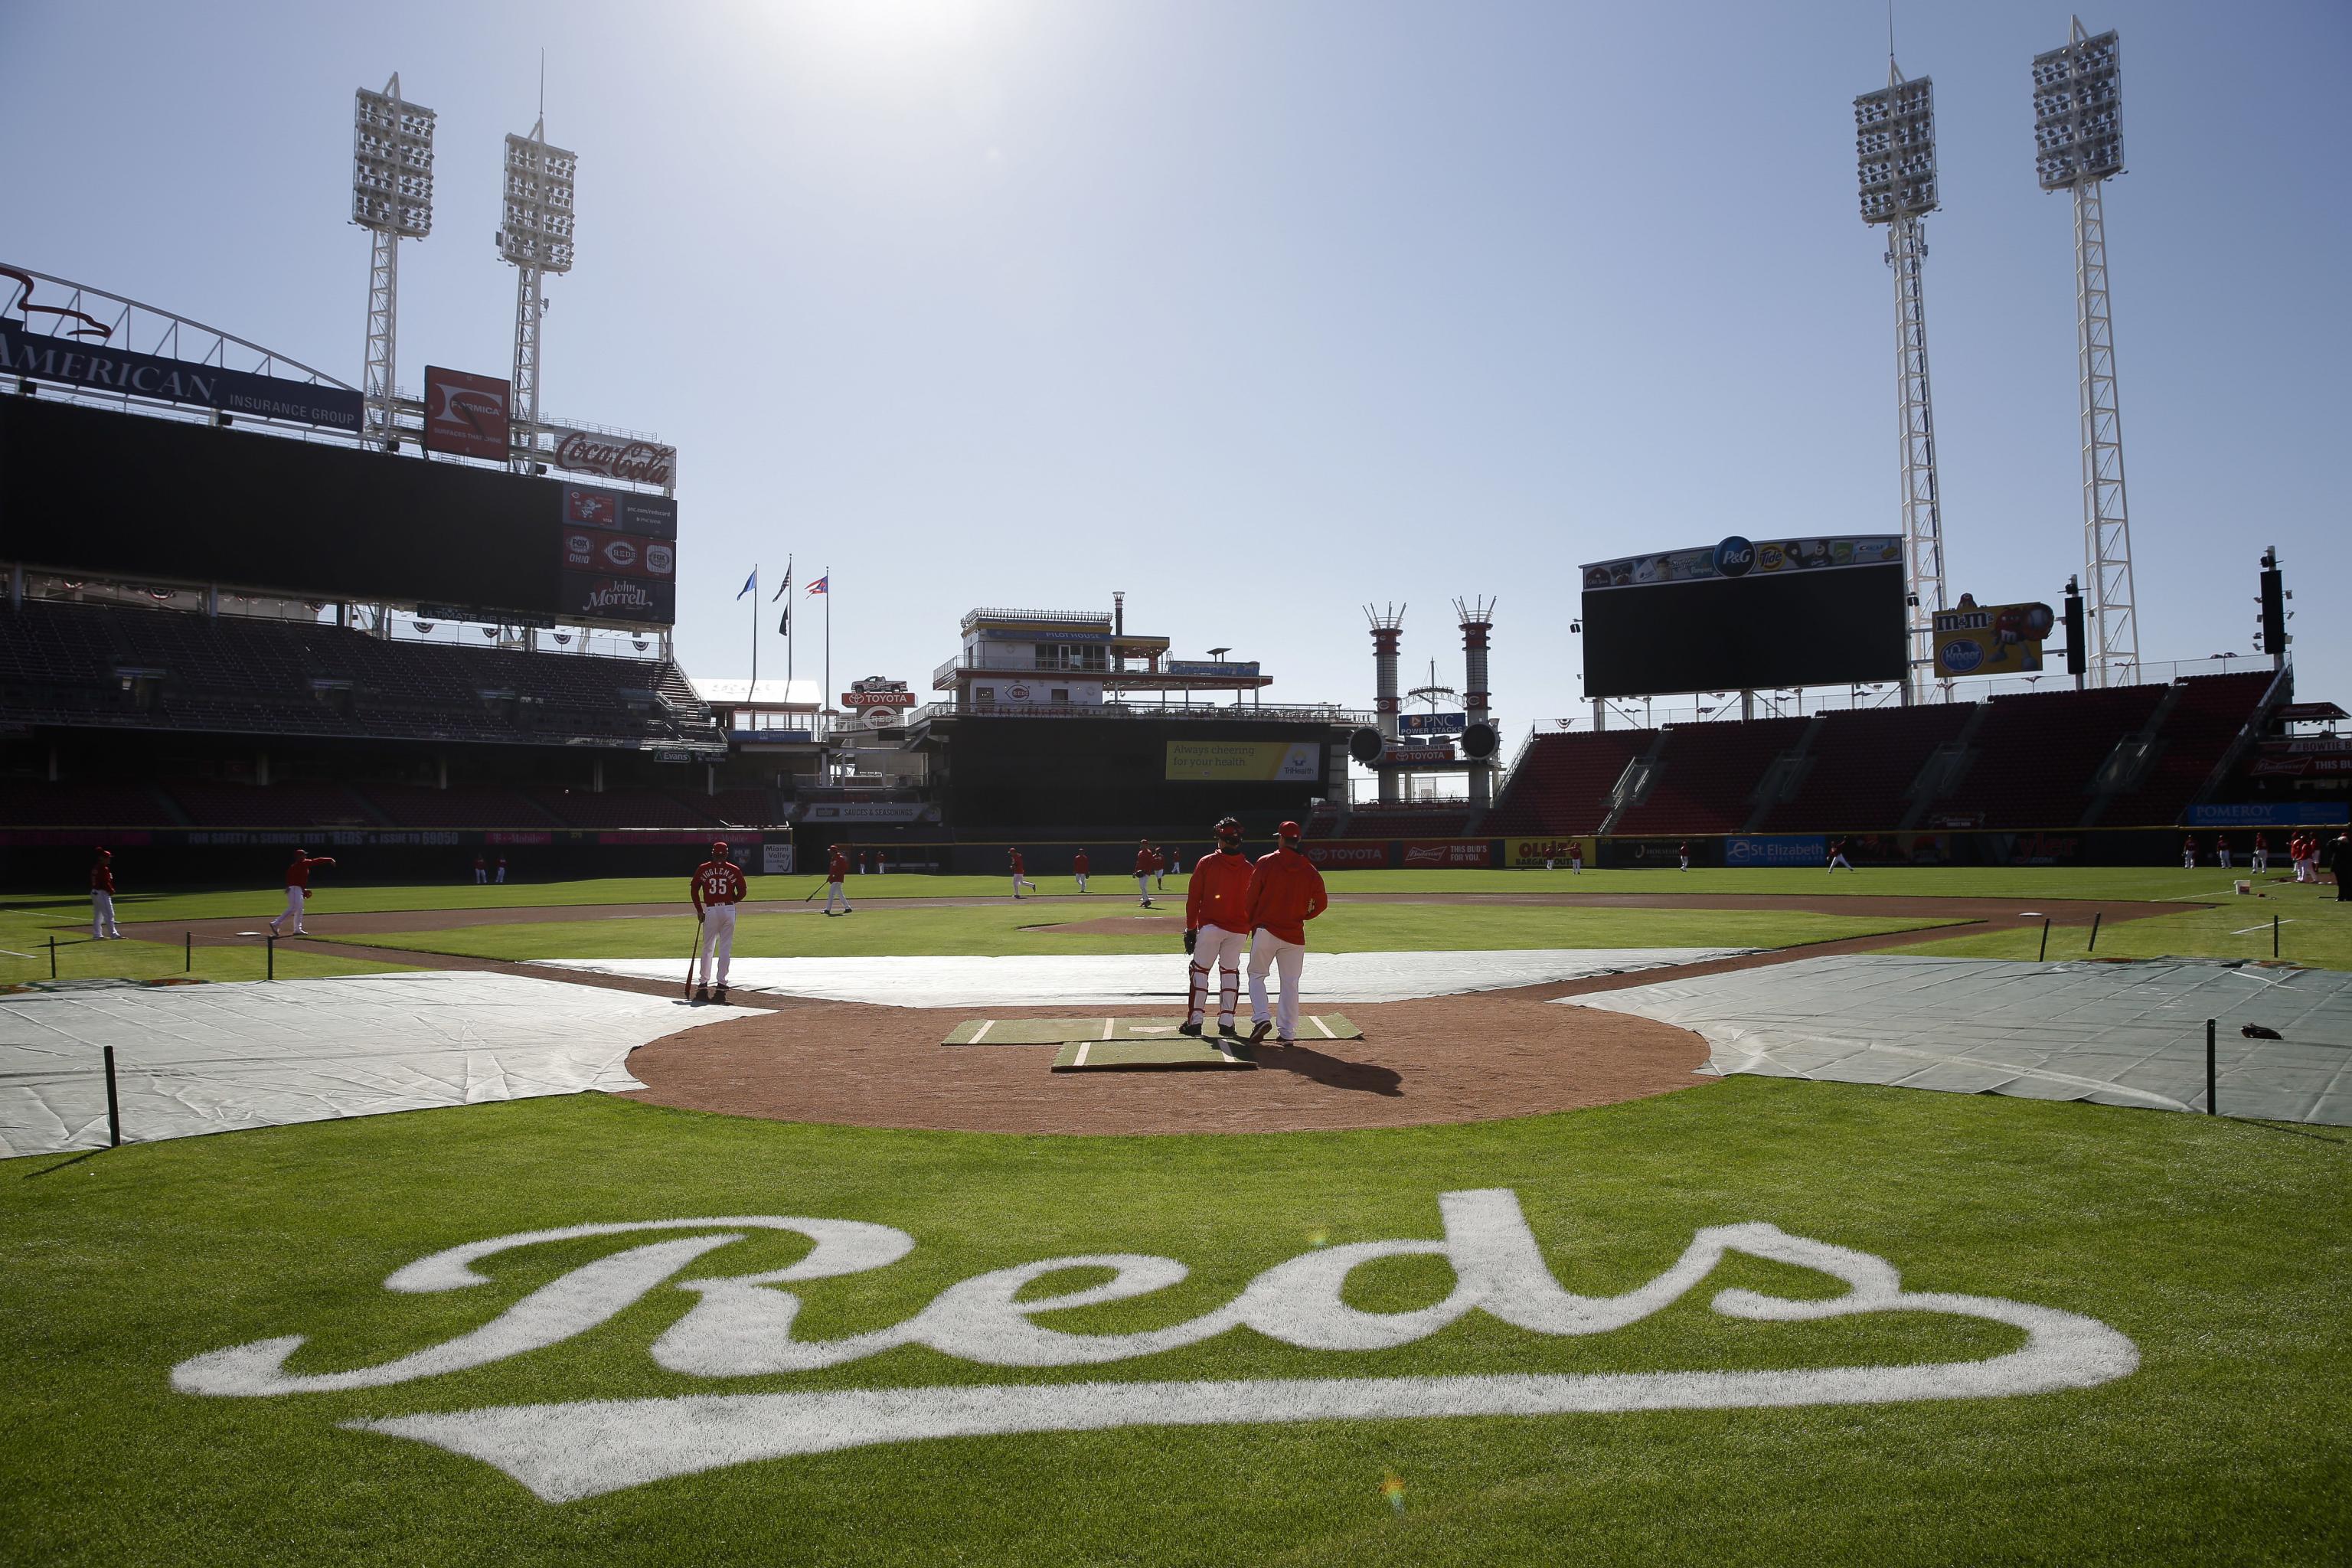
column 1221, row 949
column 1143, row 885
column 101, row 914
column 835, row 890
column 1268, row 951
column 1019, row 882
column 718, row 940
column 1082, row 881
column 293, row 912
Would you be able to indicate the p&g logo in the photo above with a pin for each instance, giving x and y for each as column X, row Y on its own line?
column 1734, row 556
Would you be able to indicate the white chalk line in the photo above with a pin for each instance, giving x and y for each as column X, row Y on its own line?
column 1322, row 1025
column 1080, row 1059
column 985, row 1024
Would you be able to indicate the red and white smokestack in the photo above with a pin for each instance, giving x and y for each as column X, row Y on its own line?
column 1388, row 632
column 1477, row 627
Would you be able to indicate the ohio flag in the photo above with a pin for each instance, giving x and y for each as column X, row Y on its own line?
column 818, row 586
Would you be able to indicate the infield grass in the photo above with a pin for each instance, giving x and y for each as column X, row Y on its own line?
column 2313, row 929
column 2216, row 1245
column 25, row 955
column 1003, row 930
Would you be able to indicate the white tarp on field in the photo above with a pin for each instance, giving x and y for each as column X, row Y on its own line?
column 1104, row 980
column 209, row 1058
column 2115, row 1034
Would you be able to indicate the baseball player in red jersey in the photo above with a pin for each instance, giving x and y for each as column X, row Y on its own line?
column 2189, row 853
column 2262, row 853
column 297, row 888
column 1079, row 869
column 1216, row 927
column 1285, row 891
column 717, row 888
column 2221, row 849
column 1145, row 861
column 836, row 869
column 1682, row 852
column 1019, row 880
column 102, row 900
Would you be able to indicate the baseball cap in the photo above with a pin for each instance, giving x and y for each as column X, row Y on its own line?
column 102, row 849
column 1288, row 830
column 718, row 846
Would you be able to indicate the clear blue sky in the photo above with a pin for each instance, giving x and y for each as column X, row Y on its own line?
column 1261, row 311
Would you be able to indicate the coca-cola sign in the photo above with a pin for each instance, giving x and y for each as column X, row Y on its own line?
column 615, row 457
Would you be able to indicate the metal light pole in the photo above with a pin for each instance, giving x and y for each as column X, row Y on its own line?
column 536, row 237
column 2078, row 144
column 392, row 198
column 1895, row 146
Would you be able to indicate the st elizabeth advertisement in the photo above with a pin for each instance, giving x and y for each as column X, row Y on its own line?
column 1246, row 761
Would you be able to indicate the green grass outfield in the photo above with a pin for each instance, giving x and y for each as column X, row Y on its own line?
column 345, row 890
column 2313, row 929
column 2216, row 1245
column 1001, row 929
column 25, row 933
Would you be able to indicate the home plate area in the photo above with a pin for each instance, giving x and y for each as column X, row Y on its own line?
column 1112, row 1045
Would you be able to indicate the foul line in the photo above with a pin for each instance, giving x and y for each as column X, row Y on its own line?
column 2265, row 926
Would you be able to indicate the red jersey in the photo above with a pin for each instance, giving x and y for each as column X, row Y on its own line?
column 1220, row 892
column 101, row 880
column 1078, row 863
column 718, row 882
column 837, row 869
column 1285, row 892
column 1146, row 862
column 1016, row 862
column 298, row 873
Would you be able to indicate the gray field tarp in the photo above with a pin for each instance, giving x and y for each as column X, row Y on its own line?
column 2115, row 1033
column 210, row 1058
column 1108, row 980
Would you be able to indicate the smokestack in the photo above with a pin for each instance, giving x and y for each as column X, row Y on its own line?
column 1118, row 612
column 1478, row 624
column 1388, row 631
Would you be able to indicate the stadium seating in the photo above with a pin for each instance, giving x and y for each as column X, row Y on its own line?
column 620, row 808
column 82, row 805
column 1449, row 820
column 1862, row 763
column 211, row 804
column 1561, row 783
column 739, row 807
column 2033, row 756
column 74, row 664
column 2193, row 738
column 1707, row 775
column 458, row 806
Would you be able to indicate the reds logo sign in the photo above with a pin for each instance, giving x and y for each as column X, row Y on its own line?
column 466, row 416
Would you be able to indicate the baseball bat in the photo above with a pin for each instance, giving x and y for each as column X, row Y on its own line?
column 692, row 954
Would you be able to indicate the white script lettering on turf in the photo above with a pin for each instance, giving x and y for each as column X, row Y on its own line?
column 741, row 1326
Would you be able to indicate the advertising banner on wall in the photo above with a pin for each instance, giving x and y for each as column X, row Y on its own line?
column 624, row 554
column 465, row 415
column 1429, row 854
column 1777, row 849
column 614, row 456
column 77, row 362
column 631, row 512
column 1432, row 723
column 1327, row 854
column 1738, row 557
column 594, row 596
column 1540, row 851
column 1246, row 761
column 1198, row 667
column 1989, row 640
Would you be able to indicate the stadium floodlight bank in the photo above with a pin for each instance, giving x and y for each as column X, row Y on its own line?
column 536, row 237
column 2078, row 145
column 1894, row 153
column 392, row 198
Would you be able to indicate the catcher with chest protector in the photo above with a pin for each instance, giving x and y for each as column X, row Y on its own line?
column 1216, row 928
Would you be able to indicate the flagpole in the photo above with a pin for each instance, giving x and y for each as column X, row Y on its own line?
column 788, row 629
column 753, row 694
column 828, row 635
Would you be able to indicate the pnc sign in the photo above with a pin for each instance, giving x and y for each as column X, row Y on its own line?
column 745, row 1326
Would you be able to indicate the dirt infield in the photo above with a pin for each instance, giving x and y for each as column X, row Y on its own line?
column 1443, row 1060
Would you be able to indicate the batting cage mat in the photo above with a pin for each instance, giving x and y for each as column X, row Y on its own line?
column 1312, row 1026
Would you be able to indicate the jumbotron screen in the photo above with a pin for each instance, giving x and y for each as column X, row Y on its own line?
column 118, row 495
column 1743, row 615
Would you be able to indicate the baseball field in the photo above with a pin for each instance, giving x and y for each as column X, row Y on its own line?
column 1512, row 1278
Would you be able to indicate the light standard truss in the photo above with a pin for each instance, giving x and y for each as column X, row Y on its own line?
column 2078, row 145
column 536, row 237
column 1894, row 149
column 392, row 198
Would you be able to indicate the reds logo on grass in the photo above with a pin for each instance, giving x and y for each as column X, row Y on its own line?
column 741, row 1326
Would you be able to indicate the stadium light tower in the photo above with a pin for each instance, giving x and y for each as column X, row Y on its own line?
column 2078, row 143
column 1895, row 146
column 536, row 237
column 392, row 198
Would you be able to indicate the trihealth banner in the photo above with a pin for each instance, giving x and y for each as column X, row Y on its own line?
column 1246, row 761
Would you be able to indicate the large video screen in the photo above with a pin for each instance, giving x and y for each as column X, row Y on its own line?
column 89, row 489
column 1806, row 620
